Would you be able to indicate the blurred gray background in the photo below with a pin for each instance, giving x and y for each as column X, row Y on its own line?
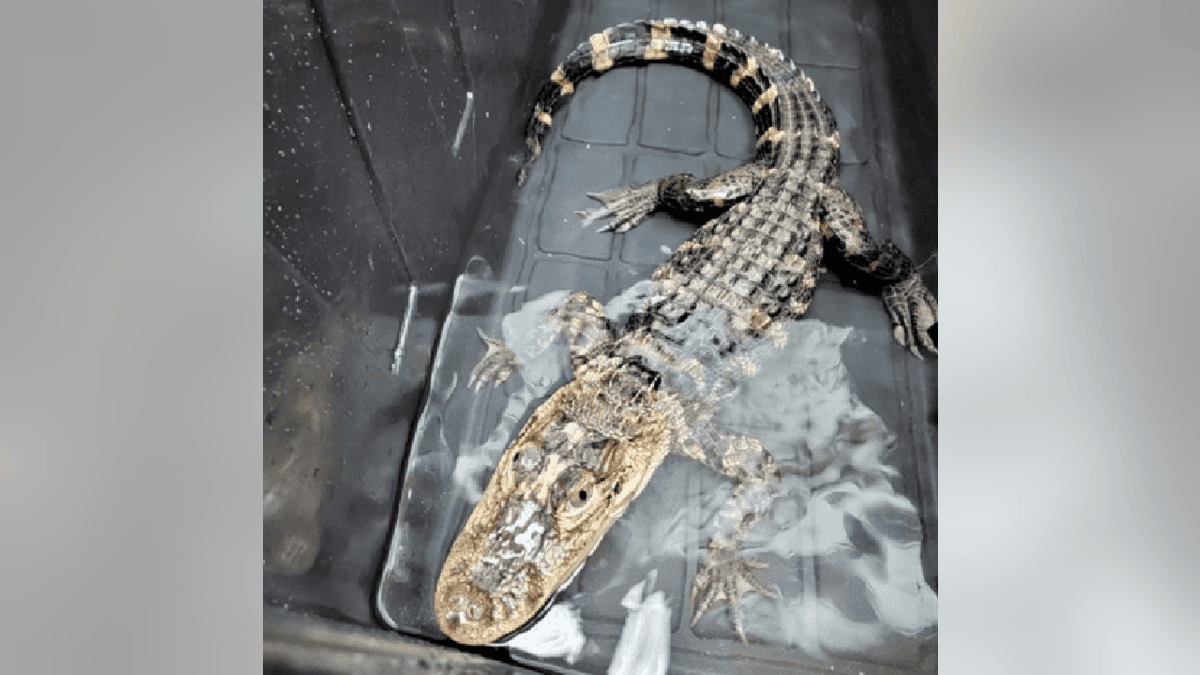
column 129, row 409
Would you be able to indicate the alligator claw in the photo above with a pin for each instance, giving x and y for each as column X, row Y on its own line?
column 627, row 206
column 725, row 579
column 496, row 366
column 914, row 312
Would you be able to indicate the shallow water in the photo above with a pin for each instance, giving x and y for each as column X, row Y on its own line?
column 841, row 543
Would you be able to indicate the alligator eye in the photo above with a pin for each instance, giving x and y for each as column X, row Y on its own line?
column 579, row 498
column 617, row 488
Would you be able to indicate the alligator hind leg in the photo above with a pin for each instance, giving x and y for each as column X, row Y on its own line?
column 627, row 206
column 911, row 307
column 913, row 311
column 681, row 194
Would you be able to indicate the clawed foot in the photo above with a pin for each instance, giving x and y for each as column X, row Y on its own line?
column 913, row 311
column 725, row 578
column 496, row 366
column 627, row 206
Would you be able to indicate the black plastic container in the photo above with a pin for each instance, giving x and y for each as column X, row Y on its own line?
column 394, row 228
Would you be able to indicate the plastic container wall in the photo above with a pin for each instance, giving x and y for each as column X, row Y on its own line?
column 383, row 125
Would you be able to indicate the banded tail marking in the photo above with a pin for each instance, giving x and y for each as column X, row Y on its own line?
column 660, row 33
column 601, row 61
column 712, row 47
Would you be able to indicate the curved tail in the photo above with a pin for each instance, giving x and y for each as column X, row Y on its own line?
column 758, row 74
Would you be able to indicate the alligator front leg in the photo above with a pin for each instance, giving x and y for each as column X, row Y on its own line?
column 496, row 366
column 580, row 318
column 726, row 576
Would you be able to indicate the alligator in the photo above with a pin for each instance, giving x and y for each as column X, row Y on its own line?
column 652, row 386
